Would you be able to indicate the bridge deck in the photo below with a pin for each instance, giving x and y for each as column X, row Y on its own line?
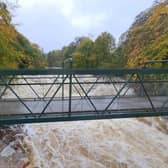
column 59, row 105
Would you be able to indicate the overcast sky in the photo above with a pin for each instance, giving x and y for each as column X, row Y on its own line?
column 55, row 23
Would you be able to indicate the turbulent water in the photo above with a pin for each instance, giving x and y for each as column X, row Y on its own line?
column 99, row 144
column 125, row 143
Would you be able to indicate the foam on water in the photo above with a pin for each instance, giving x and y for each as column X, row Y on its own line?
column 24, row 91
column 108, row 143
column 97, row 144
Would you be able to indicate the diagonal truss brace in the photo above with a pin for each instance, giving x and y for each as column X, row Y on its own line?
column 86, row 95
column 118, row 94
column 146, row 93
column 20, row 100
column 4, row 90
column 54, row 94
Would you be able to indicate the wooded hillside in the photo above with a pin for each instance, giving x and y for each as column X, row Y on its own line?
column 15, row 50
column 147, row 39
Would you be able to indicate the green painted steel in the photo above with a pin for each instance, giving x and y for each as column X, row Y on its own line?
column 151, row 86
column 82, row 71
column 77, row 117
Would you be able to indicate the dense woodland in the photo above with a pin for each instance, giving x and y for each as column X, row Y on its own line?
column 147, row 39
column 87, row 53
column 15, row 50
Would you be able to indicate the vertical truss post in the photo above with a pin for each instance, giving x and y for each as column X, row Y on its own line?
column 70, row 93
column 62, row 88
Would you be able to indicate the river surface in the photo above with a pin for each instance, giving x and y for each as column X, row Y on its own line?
column 125, row 143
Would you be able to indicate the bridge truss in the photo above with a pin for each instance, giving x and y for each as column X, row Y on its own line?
column 52, row 95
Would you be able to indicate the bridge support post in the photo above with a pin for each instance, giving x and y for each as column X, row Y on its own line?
column 70, row 94
column 63, row 88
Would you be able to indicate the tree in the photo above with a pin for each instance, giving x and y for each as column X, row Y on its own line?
column 55, row 58
column 103, row 48
column 7, row 37
column 16, row 51
column 82, row 57
column 148, row 40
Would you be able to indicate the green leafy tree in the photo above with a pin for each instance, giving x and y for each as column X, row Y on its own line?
column 82, row 57
column 103, row 48
column 16, row 51
column 55, row 58
column 148, row 38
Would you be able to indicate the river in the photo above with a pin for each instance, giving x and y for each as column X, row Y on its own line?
column 124, row 143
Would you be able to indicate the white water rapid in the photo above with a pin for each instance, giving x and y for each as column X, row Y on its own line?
column 125, row 143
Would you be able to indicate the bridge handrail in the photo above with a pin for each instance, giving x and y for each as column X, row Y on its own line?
column 116, row 71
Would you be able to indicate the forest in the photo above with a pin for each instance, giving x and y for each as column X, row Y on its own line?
column 87, row 53
column 146, row 40
column 16, row 51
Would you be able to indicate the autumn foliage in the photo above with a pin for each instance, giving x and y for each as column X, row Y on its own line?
column 149, row 39
column 146, row 40
column 15, row 50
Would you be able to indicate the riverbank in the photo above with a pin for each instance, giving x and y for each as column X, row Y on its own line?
column 14, row 152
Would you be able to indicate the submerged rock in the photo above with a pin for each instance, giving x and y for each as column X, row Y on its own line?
column 13, row 151
column 7, row 151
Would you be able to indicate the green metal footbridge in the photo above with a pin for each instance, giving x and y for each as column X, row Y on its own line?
column 53, row 95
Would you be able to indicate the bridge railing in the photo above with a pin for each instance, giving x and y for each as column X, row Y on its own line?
column 81, row 94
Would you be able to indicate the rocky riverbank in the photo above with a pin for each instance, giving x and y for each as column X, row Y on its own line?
column 13, row 150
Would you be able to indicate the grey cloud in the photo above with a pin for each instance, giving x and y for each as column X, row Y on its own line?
column 55, row 23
